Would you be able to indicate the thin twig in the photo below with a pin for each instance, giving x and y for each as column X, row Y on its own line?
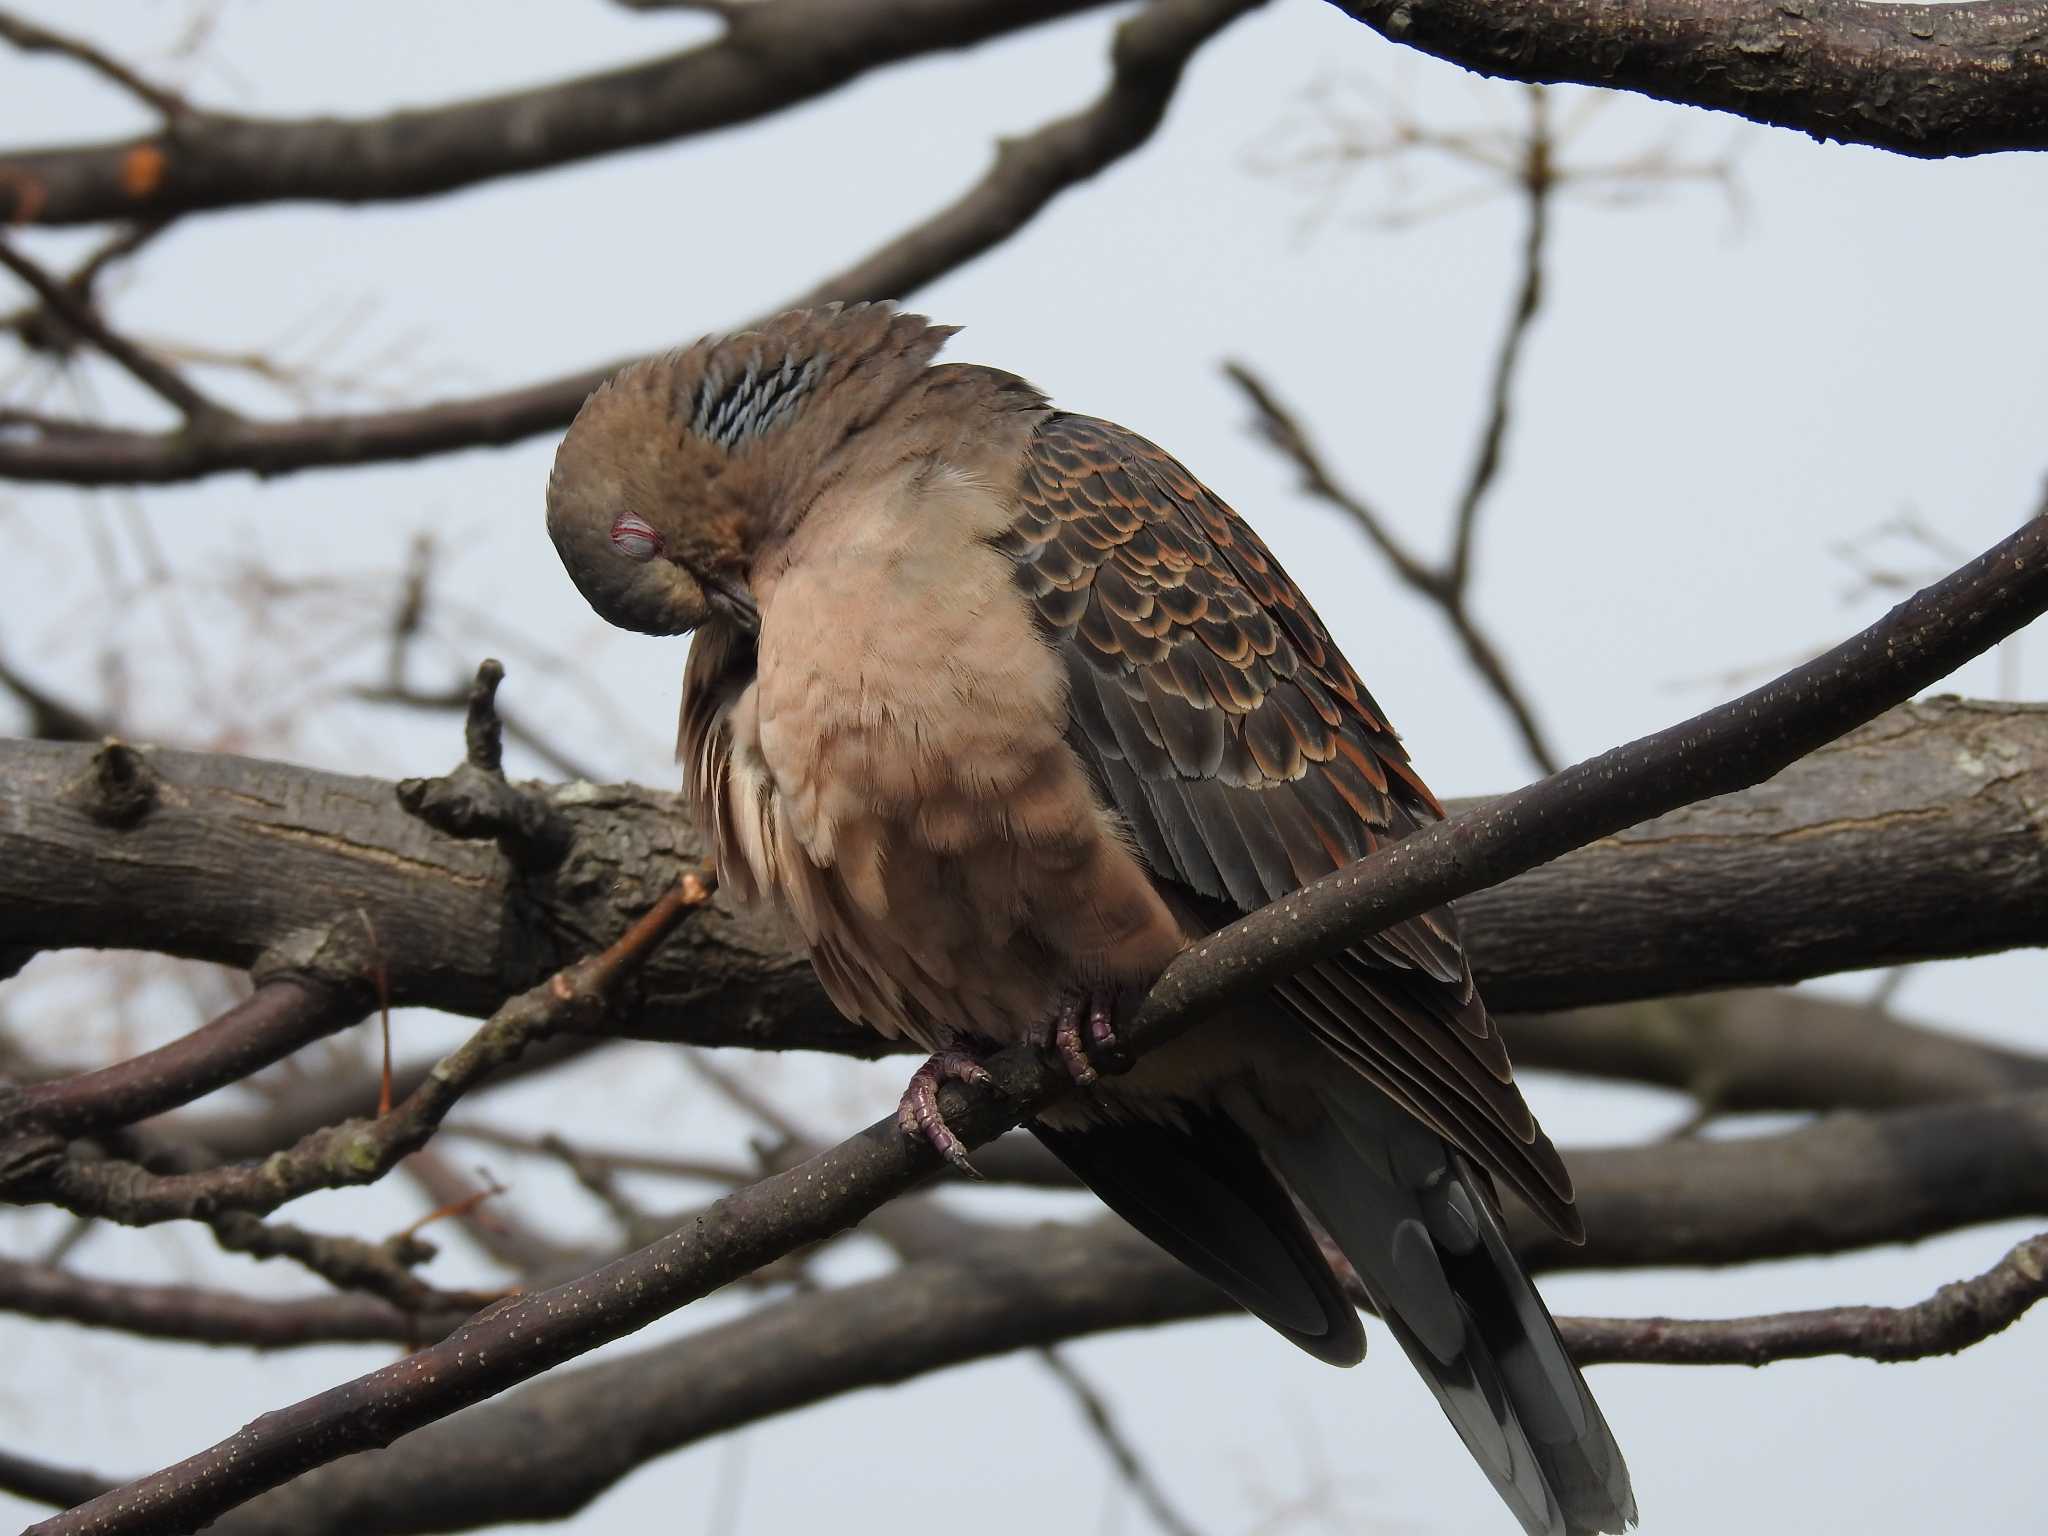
column 1538, row 177
column 1279, row 426
column 30, row 38
column 151, row 372
column 1122, row 1454
column 708, row 1169
column 1448, row 584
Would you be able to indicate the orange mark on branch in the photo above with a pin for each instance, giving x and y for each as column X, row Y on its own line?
column 142, row 170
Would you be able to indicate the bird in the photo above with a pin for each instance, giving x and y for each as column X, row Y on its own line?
column 1001, row 709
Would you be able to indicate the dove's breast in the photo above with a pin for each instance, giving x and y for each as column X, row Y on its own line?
column 937, row 842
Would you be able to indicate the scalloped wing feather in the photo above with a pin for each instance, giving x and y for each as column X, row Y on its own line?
column 1247, row 759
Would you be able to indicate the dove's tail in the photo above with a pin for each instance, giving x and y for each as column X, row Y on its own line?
column 1419, row 1226
column 1200, row 1190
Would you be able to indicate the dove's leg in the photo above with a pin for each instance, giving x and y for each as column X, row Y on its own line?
column 1082, row 1033
column 917, row 1113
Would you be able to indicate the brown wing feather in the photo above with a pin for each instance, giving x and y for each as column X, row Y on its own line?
column 1248, row 759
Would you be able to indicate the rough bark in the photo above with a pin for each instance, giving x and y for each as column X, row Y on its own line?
column 1918, row 836
column 1927, row 80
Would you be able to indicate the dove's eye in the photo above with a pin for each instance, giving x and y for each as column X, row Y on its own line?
column 634, row 538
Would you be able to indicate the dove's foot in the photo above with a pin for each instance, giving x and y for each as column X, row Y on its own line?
column 1083, row 1035
column 917, row 1113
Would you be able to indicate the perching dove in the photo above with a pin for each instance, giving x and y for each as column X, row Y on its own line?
column 1002, row 708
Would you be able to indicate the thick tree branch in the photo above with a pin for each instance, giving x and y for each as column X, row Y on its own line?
column 1722, row 750
column 1919, row 836
column 1149, row 53
column 1772, row 1050
column 772, row 55
column 1927, row 80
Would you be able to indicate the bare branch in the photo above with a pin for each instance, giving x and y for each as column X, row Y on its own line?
column 988, row 1290
column 276, row 1019
column 1444, row 587
column 356, row 1151
column 1722, row 750
column 151, row 372
column 348, row 1263
column 208, row 1317
column 475, row 801
column 1919, row 79
column 773, row 55
column 521, row 1248
column 1960, row 1314
column 1537, row 179
column 1150, row 52
column 26, row 1478
column 1918, row 837
column 1772, row 1050
column 30, row 38
column 1147, row 57
column 1122, row 1454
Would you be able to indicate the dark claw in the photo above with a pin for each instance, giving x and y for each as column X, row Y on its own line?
column 917, row 1113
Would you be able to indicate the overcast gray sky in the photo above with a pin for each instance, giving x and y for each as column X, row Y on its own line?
column 1713, row 403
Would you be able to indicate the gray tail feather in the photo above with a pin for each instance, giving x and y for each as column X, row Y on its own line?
column 1417, row 1223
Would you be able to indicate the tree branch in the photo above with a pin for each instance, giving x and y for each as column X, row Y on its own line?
column 1446, row 586
column 1117, row 1445
column 30, row 38
column 275, row 1020
column 1149, row 54
column 34, row 1166
column 1919, row 79
column 990, row 1290
column 1722, row 750
column 1918, row 837
column 1772, row 1050
column 77, row 312
column 772, row 55
column 208, row 1317
column 1960, row 1314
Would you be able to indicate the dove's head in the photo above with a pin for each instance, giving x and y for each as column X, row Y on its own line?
column 679, row 469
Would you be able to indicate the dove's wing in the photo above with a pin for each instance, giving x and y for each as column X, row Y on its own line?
column 1247, row 759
